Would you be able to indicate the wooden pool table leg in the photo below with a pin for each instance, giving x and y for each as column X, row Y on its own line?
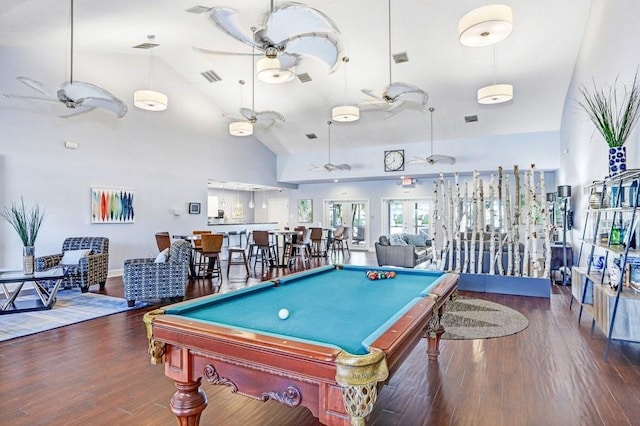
column 435, row 330
column 188, row 403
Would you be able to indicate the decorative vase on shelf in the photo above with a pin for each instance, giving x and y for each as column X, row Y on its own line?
column 617, row 160
column 28, row 259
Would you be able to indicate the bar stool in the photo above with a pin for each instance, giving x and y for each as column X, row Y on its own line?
column 316, row 242
column 237, row 261
column 299, row 250
column 196, row 253
column 341, row 239
column 265, row 249
column 211, row 248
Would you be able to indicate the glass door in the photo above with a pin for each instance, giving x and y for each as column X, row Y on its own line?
column 410, row 216
column 351, row 213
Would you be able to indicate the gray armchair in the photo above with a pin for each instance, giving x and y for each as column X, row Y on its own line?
column 144, row 279
column 91, row 269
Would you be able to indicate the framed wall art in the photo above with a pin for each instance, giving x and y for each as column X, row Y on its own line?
column 305, row 211
column 112, row 205
column 194, row 208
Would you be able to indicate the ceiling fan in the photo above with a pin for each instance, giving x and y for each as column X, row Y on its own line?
column 329, row 166
column 433, row 158
column 396, row 95
column 77, row 95
column 288, row 31
column 264, row 119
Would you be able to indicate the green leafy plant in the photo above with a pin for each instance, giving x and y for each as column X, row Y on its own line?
column 26, row 221
column 613, row 115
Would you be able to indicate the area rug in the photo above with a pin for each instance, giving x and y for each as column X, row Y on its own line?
column 72, row 306
column 468, row 318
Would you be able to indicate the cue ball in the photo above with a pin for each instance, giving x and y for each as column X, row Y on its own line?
column 283, row 314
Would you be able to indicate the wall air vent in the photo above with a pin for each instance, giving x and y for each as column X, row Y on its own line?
column 198, row 9
column 304, row 77
column 311, row 136
column 399, row 58
column 146, row 45
column 211, row 76
column 470, row 118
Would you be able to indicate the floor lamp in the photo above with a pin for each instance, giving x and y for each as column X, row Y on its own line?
column 564, row 193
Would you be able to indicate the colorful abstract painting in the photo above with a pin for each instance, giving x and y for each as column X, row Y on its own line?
column 112, row 205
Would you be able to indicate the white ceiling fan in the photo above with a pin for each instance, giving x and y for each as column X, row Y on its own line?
column 396, row 95
column 264, row 119
column 329, row 166
column 288, row 32
column 77, row 95
column 433, row 158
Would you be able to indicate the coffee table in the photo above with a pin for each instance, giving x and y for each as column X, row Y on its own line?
column 38, row 280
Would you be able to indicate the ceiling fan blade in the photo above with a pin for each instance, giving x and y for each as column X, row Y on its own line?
column 221, row 52
column 31, row 98
column 322, row 47
column 114, row 105
column 247, row 113
column 35, row 85
column 343, row 167
column 419, row 160
column 269, row 115
column 227, row 20
column 233, row 117
column 290, row 19
column 441, row 159
column 78, row 111
column 315, row 168
column 288, row 60
column 373, row 93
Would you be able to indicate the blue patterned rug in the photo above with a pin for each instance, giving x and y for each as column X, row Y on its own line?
column 72, row 306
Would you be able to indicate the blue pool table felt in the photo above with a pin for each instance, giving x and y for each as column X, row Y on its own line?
column 342, row 308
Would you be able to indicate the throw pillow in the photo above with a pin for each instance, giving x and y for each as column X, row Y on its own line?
column 72, row 257
column 162, row 256
column 416, row 240
column 383, row 240
column 397, row 240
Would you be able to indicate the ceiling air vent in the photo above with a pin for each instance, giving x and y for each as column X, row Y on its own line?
column 304, row 77
column 210, row 76
column 470, row 118
column 198, row 9
column 399, row 58
column 311, row 136
column 146, row 45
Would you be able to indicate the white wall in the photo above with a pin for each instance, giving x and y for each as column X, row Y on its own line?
column 166, row 158
column 609, row 51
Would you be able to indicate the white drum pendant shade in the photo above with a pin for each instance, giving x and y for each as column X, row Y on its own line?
column 345, row 113
column 241, row 128
column 269, row 71
column 495, row 94
column 485, row 25
column 150, row 100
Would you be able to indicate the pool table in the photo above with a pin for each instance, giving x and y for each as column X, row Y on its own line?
column 344, row 336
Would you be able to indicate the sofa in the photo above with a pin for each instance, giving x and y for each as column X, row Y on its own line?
column 403, row 250
column 84, row 259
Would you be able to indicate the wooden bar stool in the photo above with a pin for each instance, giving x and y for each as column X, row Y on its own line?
column 242, row 260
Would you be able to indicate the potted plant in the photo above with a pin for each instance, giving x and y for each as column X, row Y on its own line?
column 26, row 222
column 614, row 116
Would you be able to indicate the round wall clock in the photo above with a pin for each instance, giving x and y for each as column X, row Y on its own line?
column 394, row 160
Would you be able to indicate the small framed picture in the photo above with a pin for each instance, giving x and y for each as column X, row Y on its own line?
column 194, row 208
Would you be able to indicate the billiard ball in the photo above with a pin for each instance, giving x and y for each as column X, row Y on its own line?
column 283, row 313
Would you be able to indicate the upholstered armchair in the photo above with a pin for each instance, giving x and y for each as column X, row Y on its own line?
column 90, row 264
column 158, row 278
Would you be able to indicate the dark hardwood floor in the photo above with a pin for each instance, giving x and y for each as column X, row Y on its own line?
column 552, row 373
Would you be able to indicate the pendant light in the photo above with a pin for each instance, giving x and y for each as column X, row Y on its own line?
column 264, row 200
column 241, row 128
column 238, row 203
column 345, row 113
column 149, row 99
column 269, row 71
column 223, row 203
column 485, row 25
column 251, row 203
column 495, row 93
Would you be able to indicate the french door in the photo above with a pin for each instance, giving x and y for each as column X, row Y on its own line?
column 351, row 213
column 410, row 216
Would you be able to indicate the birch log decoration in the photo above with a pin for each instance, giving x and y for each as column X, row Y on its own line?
column 509, row 223
column 443, row 219
column 457, row 222
column 467, row 211
column 436, row 223
column 492, row 236
column 516, row 222
column 500, row 221
column 546, row 228
column 451, row 223
column 527, row 212
column 474, row 226
column 481, row 225
column 535, row 262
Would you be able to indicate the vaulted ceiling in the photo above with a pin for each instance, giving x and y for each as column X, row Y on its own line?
column 537, row 58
